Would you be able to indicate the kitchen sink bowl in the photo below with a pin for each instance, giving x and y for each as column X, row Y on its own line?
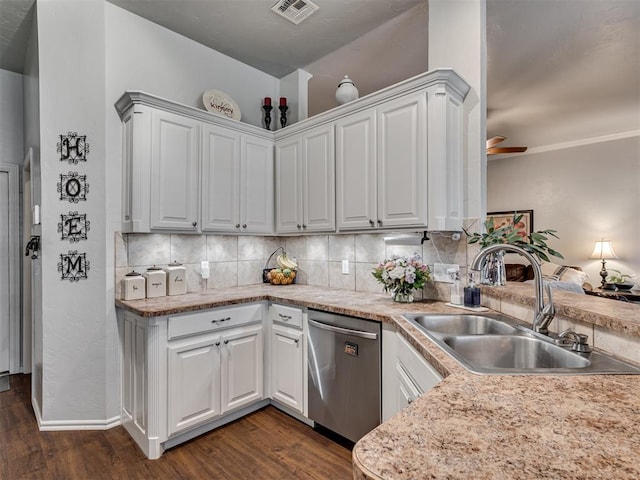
column 500, row 352
column 494, row 344
column 463, row 324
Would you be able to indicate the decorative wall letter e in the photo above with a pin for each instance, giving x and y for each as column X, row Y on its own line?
column 73, row 187
column 73, row 266
column 73, row 148
column 74, row 226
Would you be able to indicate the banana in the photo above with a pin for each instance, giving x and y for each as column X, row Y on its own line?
column 284, row 261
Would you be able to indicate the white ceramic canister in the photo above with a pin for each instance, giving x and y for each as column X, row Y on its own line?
column 133, row 286
column 176, row 279
column 346, row 91
column 156, row 282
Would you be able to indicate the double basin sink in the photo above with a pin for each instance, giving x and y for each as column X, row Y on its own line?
column 493, row 344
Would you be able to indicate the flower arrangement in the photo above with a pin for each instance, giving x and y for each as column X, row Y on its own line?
column 402, row 275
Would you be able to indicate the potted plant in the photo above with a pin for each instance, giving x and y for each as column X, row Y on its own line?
column 402, row 275
column 493, row 271
column 619, row 281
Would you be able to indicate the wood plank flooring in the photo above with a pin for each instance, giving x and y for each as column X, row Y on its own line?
column 267, row 444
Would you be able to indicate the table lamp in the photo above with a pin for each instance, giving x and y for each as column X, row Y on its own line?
column 603, row 251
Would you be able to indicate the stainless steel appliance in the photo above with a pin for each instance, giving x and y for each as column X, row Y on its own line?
column 344, row 373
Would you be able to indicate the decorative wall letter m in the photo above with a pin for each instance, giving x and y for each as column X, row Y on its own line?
column 73, row 266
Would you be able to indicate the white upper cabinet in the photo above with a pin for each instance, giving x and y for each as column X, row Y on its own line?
column 256, row 186
column 392, row 159
column 188, row 170
column 220, row 179
column 305, row 181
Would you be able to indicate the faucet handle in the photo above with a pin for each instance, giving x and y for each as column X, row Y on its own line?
column 577, row 341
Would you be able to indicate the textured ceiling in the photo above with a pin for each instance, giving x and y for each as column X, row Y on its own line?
column 249, row 31
column 558, row 70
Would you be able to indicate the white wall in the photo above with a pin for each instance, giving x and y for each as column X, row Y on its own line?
column 144, row 56
column 11, row 118
column 585, row 193
column 457, row 39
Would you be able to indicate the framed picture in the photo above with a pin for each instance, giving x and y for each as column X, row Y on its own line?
column 524, row 226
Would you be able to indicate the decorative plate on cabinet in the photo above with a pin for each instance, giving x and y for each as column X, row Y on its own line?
column 220, row 103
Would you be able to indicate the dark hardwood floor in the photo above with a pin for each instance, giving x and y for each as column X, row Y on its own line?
column 267, row 444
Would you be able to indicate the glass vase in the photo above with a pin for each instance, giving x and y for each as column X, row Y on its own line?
column 402, row 296
column 493, row 270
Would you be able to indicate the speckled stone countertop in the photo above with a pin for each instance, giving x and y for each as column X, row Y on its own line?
column 477, row 426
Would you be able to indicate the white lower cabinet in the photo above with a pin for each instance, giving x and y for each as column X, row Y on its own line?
column 185, row 374
column 211, row 376
column 288, row 360
column 405, row 373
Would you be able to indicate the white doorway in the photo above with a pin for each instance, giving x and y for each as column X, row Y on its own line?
column 10, row 348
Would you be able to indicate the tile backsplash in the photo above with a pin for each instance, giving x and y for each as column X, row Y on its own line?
column 239, row 260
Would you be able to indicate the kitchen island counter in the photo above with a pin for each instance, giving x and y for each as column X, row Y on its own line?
column 474, row 426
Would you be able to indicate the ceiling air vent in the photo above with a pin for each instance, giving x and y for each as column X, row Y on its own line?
column 294, row 10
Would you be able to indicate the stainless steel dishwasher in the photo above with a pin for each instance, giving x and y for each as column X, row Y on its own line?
column 344, row 373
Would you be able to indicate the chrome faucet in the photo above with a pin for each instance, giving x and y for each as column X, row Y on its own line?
column 543, row 313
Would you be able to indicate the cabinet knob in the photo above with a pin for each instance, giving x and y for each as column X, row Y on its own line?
column 226, row 341
column 297, row 340
column 371, row 222
column 237, row 225
column 299, row 226
column 304, row 226
column 379, row 222
column 217, row 344
column 195, row 224
column 244, row 225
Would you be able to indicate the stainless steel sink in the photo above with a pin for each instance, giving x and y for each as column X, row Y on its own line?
column 463, row 324
column 493, row 344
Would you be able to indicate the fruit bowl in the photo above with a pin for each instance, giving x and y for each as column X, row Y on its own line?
column 279, row 276
column 284, row 273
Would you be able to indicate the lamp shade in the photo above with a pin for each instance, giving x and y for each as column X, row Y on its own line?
column 603, row 249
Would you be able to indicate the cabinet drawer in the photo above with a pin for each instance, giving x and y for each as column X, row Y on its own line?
column 213, row 320
column 286, row 315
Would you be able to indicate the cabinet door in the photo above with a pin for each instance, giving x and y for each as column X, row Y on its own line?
column 220, row 179
column 356, row 171
column 175, row 189
column 287, row 361
column 242, row 368
column 256, row 186
column 402, row 192
column 318, row 173
column 288, row 185
column 193, row 383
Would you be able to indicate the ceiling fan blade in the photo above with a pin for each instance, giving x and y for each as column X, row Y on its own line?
column 495, row 140
column 497, row 150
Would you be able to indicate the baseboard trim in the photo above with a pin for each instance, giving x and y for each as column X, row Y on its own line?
column 59, row 425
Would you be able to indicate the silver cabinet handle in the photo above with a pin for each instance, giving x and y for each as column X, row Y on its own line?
column 237, row 225
column 286, row 318
column 244, row 225
column 304, row 226
column 217, row 344
column 195, row 224
column 299, row 226
column 379, row 222
column 226, row 341
column 371, row 222
column 347, row 331
column 221, row 320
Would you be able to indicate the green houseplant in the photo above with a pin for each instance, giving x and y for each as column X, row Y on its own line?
column 493, row 272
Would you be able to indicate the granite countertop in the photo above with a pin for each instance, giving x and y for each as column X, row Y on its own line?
column 477, row 426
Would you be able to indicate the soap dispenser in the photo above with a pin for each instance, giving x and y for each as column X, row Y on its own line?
column 457, row 294
column 471, row 293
